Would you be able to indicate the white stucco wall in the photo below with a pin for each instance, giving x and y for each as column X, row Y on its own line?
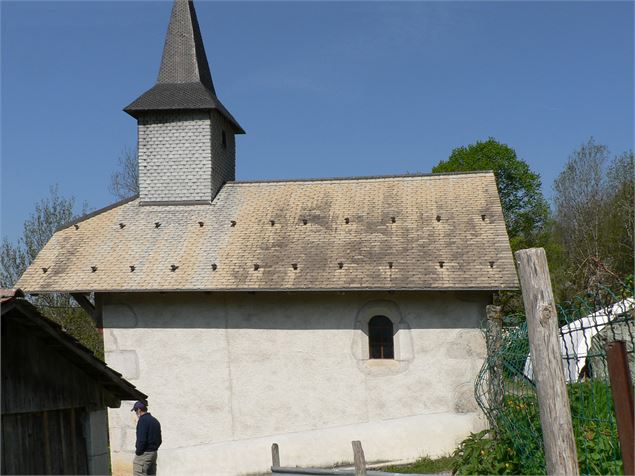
column 230, row 374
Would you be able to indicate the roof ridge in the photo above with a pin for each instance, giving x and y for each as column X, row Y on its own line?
column 360, row 177
column 274, row 181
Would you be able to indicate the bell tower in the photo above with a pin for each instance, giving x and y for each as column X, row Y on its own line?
column 186, row 137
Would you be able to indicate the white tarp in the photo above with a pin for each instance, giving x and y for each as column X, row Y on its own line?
column 575, row 339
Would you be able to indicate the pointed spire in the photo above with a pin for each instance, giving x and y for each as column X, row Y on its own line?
column 184, row 81
column 184, row 59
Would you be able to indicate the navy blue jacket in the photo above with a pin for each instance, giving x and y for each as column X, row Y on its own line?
column 148, row 434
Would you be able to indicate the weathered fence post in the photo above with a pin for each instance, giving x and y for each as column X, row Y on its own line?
column 494, row 342
column 542, row 325
column 275, row 456
column 622, row 390
column 358, row 457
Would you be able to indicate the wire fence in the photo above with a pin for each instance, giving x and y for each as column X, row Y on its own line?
column 506, row 392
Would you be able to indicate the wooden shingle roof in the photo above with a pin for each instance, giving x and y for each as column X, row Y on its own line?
column 428, row 232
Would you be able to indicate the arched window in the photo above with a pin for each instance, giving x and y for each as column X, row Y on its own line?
column 380, row 338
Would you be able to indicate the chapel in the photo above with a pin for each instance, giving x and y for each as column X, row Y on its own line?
column 308, row 313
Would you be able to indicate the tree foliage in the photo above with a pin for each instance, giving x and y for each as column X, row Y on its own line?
column 50, row 213
column 525, row 209
column 593, row 197
column 124, row 182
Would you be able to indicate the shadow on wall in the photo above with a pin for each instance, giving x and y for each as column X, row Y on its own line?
column 288, row 311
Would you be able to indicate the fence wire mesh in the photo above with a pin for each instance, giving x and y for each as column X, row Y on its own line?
column 506, row 392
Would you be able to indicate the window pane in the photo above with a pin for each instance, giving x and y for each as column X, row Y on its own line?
column 380, row 338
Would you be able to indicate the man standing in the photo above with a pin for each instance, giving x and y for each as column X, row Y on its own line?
column 148, row 441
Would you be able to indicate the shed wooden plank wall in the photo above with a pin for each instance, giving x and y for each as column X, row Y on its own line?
column 50, row 442
column 35, row 377
column 45, row 404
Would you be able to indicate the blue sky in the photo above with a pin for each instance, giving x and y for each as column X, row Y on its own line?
column 322, row 88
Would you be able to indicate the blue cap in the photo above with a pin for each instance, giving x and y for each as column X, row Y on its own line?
column 139, row 406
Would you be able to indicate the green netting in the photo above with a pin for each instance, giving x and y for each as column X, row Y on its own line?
column 506, row 392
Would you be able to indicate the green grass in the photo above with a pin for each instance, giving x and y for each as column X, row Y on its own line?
column 424, row 465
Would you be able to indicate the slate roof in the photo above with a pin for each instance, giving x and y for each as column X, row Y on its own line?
column 185, row 81
column 429, row 232
column 25, row 314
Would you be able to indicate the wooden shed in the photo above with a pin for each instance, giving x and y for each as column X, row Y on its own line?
column 54, row 396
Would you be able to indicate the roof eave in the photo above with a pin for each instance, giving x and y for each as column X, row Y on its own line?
column 136, row 112
column 110, row 378
column 280, row 290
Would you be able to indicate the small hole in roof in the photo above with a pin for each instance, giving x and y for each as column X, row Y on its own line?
column 483, row 217
column 438, row 217
column 273, row 222
column 132, row 268
column 393, row 219
column 157, row 224
column 200, row 223
column 93, row 268
column 340, row 264
column 347, row 220
column 122, row 225
column 491, row 264
column 441, row 263
column 174, row 267
column 294, row 266
column 44, row 270
column 76, row 226
column 390, row 264
column 233, row 223
column 256, row 267
column 214, row 266
column 304, row 221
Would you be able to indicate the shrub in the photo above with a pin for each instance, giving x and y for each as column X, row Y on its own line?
column 516, row 446
column 481, row 453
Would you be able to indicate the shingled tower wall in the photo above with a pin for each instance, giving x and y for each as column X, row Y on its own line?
column 186, row 140
column 182, row 156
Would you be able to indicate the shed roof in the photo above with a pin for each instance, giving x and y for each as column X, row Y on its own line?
column 429, row 232
column 26, row 314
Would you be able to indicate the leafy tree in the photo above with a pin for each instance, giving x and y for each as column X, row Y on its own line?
column 594, row 211
column 124, row 182
column 620, row 219
column 50, row 213
column 525, row 209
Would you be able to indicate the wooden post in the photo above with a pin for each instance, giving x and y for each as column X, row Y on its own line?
column 275, row 456
column 494, row 340
column 542, row 324
column 622, row 390
column 358, row 457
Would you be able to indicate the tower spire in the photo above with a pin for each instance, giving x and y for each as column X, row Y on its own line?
column 184, row 81
column 184, row 59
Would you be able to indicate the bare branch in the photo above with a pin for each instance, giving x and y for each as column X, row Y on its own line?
column 124, row 182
